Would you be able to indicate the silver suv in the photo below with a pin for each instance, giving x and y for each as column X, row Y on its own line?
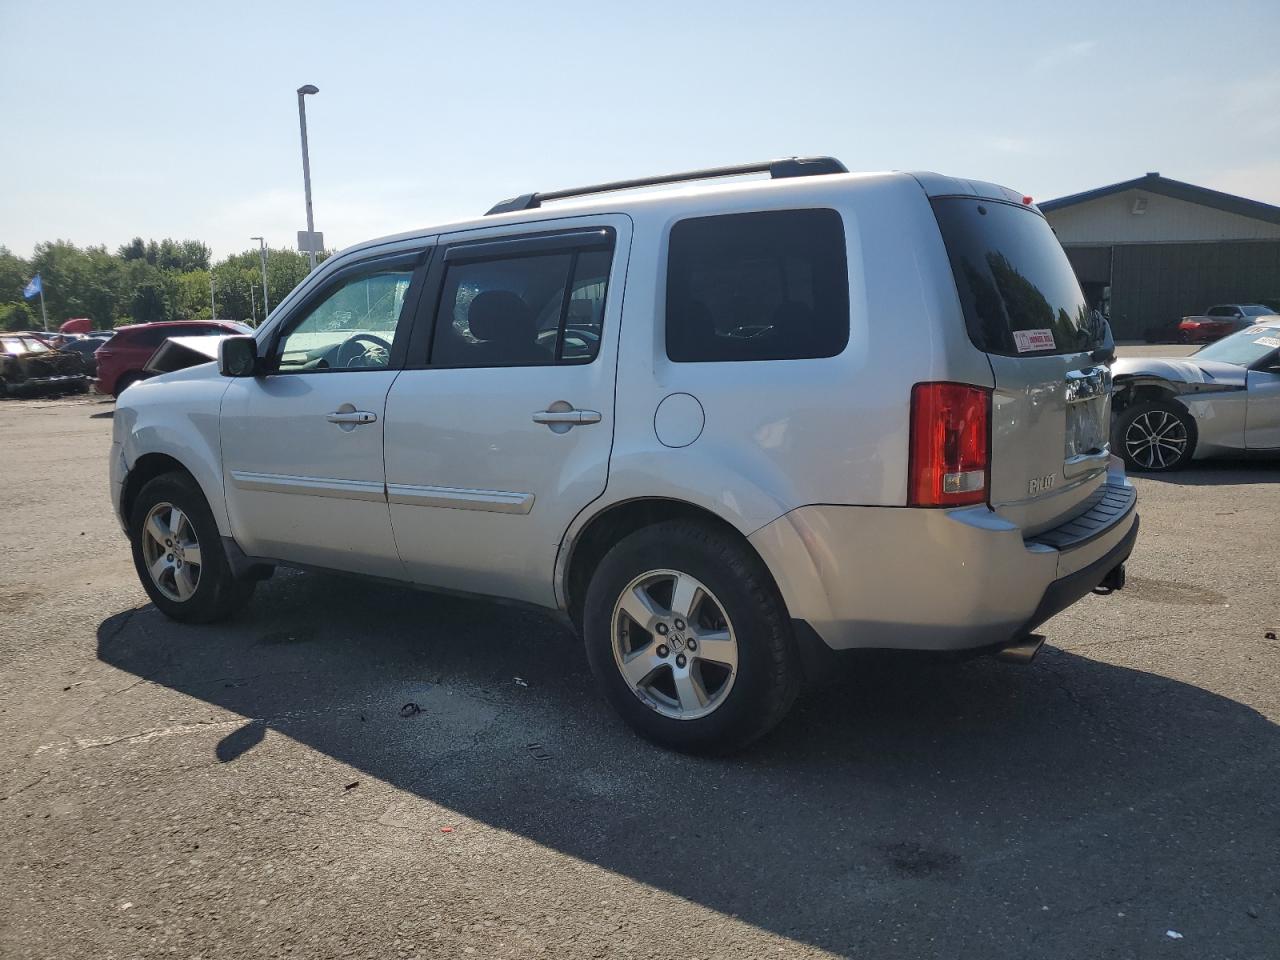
column 723, row 427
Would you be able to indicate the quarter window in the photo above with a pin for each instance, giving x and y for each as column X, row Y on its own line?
column 353, row 328
column 757, row 286
column 522, row 310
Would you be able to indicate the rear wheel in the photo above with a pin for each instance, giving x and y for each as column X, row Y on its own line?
column 1155, row 436
column 689, row 639
column 178, row 553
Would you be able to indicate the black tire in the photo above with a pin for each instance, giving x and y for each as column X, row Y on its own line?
column 768, row 676
column 1137, row 422
column 217, row 594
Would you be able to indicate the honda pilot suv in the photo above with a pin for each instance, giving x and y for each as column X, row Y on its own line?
column 724, row 426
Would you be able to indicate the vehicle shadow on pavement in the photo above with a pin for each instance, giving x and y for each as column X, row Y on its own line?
column 1066, row 809
column 1213, row 473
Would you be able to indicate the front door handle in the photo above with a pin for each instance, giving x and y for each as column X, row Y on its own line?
column 354, row 417
column 570, row 417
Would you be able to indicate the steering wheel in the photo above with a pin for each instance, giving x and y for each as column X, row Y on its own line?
column 376, row 355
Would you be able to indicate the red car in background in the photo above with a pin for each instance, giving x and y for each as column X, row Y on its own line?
column 1217, row 322
column 122, row 358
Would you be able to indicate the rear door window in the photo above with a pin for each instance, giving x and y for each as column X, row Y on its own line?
column 1017, row 289
column 532, row 301
column 757, row 286
column 147, row 337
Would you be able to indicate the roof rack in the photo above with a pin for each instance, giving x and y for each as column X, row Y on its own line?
column 777, row 170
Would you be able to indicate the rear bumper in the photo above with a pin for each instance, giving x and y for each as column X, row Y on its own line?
column 887, row 577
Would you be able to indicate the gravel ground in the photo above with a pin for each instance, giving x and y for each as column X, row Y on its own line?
column 252, row 789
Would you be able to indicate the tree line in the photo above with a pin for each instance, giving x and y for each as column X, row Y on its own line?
column 142, row 282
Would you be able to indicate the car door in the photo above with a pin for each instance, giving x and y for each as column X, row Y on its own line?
column 499, row 430
column 302, row 442
column 1262, row 415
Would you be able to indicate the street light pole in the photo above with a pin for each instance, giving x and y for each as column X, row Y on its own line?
column 306, row 167
column 213, row 306
column 262, row 252
column 253, row 308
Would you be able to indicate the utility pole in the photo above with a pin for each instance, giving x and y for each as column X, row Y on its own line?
column 253, row 308
column 262, row 252
column 213, row 306
column 306, row 168
column 43, row 315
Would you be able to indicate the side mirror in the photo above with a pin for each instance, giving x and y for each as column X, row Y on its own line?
column 238, row 357
column 1106, row 353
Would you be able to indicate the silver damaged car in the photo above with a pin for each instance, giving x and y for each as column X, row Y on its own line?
column 1223, row 400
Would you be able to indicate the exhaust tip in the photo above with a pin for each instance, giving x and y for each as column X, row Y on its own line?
column 1021, row 651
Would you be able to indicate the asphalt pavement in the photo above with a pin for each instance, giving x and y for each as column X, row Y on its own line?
column 351, row 770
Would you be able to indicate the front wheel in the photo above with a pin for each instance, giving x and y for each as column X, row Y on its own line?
column 178, row 553
column 689, row 639
column 1156, row 436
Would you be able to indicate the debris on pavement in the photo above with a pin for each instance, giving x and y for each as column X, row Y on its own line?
column 521, row 682
column 538, row 751
column 410, row 709
column 1173, row 934
column 352, row 785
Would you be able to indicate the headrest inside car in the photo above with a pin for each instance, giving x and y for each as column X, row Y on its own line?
column 501, row 315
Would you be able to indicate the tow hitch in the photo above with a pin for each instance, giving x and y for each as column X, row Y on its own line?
column 1112, row 581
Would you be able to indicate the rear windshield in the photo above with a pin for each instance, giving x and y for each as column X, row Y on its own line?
column 1018, row 291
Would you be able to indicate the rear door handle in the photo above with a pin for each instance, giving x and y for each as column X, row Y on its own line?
column 352, row 417
column 570, row 417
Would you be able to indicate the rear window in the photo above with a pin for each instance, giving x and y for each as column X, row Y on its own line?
column 142, row 336
column 757, row 286
column 1017, row 289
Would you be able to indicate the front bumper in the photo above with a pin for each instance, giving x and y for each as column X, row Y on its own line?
column 892, row 577
column 46, row 382
column 117, row 471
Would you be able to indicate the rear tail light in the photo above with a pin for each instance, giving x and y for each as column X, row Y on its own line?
column 950, row 458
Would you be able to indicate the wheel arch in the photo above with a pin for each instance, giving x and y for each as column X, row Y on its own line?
column 585, row 546
column 155, row 464
column 145, row 469
column 1137, row 389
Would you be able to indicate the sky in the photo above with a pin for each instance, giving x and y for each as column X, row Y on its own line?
column 172, row 119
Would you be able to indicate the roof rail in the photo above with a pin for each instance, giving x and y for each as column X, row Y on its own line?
column 777, row 169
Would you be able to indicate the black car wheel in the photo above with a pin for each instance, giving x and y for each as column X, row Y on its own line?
column 178, row 553
column 689, row 639
column 1155, row 436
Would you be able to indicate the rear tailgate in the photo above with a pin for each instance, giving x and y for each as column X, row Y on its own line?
column 1024, row 309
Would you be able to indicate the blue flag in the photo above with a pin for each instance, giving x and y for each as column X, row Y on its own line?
column 34, row 288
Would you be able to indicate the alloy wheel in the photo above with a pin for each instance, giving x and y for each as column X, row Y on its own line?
column 674, row 644
column 171, row 550
column 1156, row 439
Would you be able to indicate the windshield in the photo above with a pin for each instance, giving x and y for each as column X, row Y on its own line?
column 1256, row 310
column 1244, row 347
column 1017, row 289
